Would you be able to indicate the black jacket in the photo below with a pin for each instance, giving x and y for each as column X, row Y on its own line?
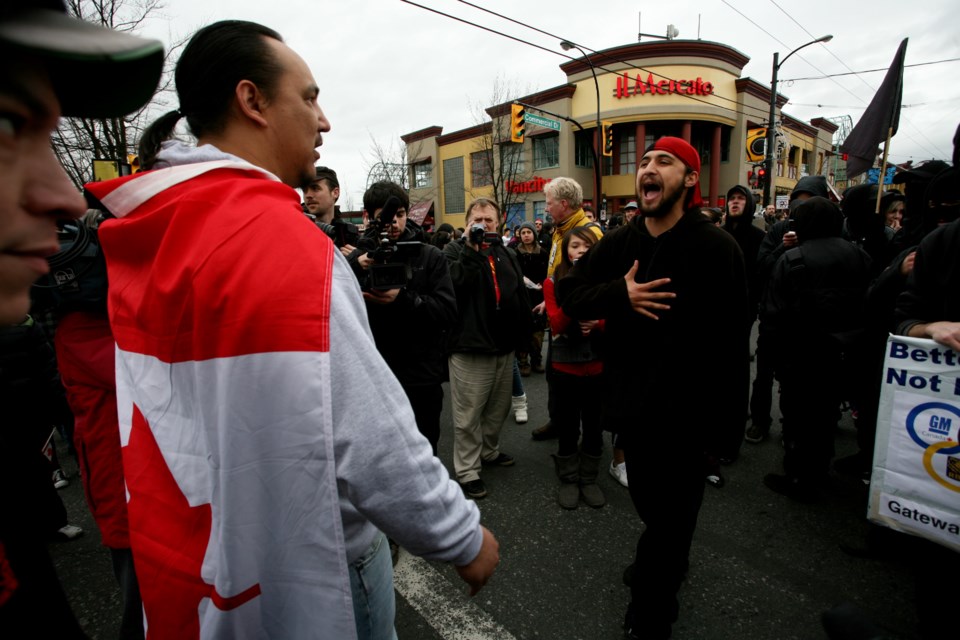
column 698, row 349
column 411, row 332
column 933, row 289
column 534, row 267
column 486, row 325
column 816, row 294
column 749, row 238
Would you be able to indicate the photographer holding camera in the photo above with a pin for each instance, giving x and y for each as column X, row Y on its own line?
column 409, row 322
column 493, row 322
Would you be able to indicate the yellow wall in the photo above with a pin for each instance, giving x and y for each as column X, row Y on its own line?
column 462, row 148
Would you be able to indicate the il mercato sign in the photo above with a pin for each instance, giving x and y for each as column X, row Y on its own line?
column 626, row 89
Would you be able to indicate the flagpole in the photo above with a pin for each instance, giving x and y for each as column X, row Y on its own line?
column 883, row 169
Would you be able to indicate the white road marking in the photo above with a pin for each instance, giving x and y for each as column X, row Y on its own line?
column 446, row 607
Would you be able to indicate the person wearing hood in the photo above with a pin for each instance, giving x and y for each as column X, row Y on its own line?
column 864, row 227
column 739, row 223
column 656, row 280
column 779, row 237
column 814, row 314
column 410, row 323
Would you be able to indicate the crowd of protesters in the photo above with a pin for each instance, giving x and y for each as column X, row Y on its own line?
column 257, row 432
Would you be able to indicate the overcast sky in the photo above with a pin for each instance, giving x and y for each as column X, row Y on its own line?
column 387, row 67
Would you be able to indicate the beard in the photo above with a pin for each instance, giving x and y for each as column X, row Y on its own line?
column 668, row 199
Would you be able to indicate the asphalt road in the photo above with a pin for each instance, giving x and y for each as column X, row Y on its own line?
column 762, row 566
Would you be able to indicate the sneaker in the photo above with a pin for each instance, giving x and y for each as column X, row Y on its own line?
column 502, row 460
column 619, row 471
column 67, row 532
column 60, row 479
column 714, row 479
column 756, row 433
column 474, row 489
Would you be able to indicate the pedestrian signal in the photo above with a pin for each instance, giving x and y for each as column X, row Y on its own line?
column 518, row 122
column 607, row 139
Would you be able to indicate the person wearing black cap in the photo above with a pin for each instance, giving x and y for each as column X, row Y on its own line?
column 53, row 65
column 657, row 280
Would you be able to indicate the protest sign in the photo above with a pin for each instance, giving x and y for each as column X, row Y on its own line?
column 915, row 487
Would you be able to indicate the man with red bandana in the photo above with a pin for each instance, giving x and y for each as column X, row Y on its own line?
column 672, row 288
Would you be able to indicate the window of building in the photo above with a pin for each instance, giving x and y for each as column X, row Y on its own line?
column 546, row 152
column 628, row 153
column 540, row 210
column 453, row 194
column 583, row 148
column 511, row 159
column 422, row 174
column 481, row 168
column 516, row 214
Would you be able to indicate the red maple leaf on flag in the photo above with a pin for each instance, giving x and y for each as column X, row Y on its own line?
column 169, row 541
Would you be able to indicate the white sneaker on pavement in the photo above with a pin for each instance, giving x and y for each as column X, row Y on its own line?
column 619, row 471
column 520, row 409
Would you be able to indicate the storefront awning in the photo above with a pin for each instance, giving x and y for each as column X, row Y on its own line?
column 418, row 212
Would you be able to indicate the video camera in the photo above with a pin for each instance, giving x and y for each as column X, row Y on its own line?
column 391, row 268
column 479, row 236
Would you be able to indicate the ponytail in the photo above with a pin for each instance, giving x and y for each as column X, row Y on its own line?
column 158, row 132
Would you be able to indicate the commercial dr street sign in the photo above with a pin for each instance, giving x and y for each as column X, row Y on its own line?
column 540, row 121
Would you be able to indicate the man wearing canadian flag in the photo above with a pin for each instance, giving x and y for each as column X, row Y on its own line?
column 267, row 447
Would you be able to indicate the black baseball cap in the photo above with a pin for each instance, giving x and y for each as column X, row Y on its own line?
column 96, row 72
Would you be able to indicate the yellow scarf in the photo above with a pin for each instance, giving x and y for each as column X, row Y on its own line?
column 578, row 219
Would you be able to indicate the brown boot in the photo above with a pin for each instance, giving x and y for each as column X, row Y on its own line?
column 546, row 432
column 568, row 470
column 589, row 489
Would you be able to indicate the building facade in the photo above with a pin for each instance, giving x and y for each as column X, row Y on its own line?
column 691, row 89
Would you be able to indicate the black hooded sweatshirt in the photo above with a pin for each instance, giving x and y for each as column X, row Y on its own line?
column 748, row 238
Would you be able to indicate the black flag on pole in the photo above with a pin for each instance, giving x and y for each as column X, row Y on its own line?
column 881, row 115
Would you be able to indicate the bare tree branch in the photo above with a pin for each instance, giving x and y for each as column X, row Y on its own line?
column 79, row 141
column 503, row 159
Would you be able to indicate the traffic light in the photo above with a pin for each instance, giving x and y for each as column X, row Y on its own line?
column 518, row 122
column 134, row 162
column 607, row 139
column 750, row 181
column 761, row 176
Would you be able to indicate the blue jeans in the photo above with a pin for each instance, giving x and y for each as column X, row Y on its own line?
column 371, row 581
column 517, row 382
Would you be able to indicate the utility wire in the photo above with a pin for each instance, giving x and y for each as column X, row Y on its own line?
column 865, row 83
column 837, row 75
column 568, row 57
column 631, row 66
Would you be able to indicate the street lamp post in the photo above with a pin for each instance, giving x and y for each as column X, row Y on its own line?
column 566, row 45
column 771, row 123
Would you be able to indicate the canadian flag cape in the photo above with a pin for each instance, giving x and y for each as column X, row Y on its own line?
column 219, row 297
